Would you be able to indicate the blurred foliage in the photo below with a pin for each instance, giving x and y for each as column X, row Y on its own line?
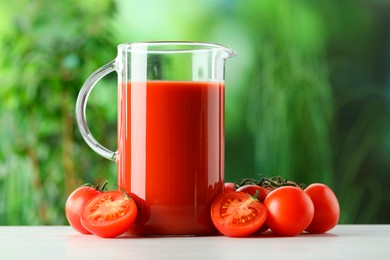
column 46, row 54
column 306, row 96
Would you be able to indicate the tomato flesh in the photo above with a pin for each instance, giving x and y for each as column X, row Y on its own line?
column 261, row 193
column 236, row 214
column 109, row 214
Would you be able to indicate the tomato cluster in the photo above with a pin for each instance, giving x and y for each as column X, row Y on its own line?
column 242, row 209
column 108, row 214
column 287, row 210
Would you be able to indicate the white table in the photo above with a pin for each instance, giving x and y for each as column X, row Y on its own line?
column 369, row 242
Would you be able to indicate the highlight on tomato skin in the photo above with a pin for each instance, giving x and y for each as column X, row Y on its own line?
column 109, row 214
column 229, row 186
column 236, row 214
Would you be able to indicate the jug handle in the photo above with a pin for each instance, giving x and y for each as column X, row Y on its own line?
column 81, row 105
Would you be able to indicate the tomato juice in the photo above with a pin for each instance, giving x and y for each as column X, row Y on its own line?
column 171, row 153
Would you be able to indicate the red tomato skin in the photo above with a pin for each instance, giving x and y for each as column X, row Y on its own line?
column 290, row 211
column 119, row 224
column 251, row 190
column 229, row 186
column 75, row 202
column 225, row 224
column 326, row 208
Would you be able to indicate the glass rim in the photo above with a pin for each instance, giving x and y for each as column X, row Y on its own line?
column 161, row 47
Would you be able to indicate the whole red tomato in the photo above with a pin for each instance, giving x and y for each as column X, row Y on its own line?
column 290, row 210
column 251, row 189
column 75, row 202
column 109, row 214
column 326, row 208
column 236, row 214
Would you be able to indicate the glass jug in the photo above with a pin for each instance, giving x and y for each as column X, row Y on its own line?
column 170, row 152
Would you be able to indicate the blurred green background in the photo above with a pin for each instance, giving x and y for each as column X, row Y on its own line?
column 307, row 97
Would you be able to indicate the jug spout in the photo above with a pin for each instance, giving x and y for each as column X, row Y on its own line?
column 228, row 52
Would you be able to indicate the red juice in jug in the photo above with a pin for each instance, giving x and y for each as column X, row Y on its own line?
column 171, row 153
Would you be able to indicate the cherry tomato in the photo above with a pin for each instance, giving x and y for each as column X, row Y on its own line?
column 229, row 186
column 326, row 208
column 109, row 214
column 236, row 214
column 251, row 190
column 290, row 210
column 75, row 202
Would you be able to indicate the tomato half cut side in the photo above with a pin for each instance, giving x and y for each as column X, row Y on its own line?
column 109, row 214
column 236, row 214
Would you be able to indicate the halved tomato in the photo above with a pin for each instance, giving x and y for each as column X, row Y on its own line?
column 260, row 193
column 236, row 214
column 109, row 214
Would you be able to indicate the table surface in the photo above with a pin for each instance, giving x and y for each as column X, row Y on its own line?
column 62, row 242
